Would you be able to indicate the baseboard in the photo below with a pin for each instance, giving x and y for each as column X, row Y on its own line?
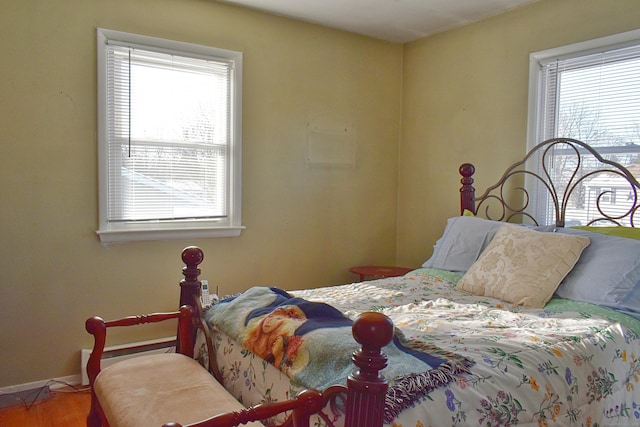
column 117, row 353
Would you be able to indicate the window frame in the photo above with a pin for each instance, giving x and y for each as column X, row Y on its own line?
column 537, row 196
column 115, row 232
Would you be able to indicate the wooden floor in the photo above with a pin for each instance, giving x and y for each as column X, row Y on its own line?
column 61, row 409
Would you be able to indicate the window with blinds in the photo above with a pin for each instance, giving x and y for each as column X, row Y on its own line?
column 169, row 139
column 590, row 92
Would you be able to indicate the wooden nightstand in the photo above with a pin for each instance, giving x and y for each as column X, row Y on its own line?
column 378, row 271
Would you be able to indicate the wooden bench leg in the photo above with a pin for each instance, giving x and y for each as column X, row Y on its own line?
column 94, row 419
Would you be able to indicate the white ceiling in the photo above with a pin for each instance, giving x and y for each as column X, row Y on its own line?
column 397, row 21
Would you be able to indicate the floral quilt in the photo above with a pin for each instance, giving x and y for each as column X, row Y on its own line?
column 311, row 342
column 569, row 364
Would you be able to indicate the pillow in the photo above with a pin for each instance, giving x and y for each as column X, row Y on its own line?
column 523, row 266
column 608, row 273
column 463, row 240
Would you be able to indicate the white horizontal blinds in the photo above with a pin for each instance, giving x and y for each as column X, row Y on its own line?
column 168, row 135
column 593, row 97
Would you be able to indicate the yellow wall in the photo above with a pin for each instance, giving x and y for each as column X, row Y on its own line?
column 454, row 97
column 305, row 227
column 465, row 95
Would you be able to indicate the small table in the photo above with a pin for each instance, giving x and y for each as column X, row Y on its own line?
column 379, row 271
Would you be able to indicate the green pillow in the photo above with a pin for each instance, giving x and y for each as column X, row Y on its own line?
column 628, row 232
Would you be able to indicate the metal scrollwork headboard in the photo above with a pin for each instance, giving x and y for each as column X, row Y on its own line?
column 570, row 182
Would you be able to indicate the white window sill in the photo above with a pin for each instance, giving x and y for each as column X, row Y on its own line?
column 123, row 236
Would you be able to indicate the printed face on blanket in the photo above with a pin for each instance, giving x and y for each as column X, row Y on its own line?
column 272, row 337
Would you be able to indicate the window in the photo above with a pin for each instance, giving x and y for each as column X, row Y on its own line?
column 590, row 92
column 169, row 139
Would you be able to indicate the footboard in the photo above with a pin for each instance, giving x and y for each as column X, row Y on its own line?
column 363, row 397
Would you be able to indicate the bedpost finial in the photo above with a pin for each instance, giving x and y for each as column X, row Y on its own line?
column 372, row 329
column 467, row 192
column 192, row 256
column 367, row 387
column 467, row 170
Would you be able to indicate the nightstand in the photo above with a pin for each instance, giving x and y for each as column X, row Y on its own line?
column 378, row 271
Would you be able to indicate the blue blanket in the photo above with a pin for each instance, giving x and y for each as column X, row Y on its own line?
column 312, row 343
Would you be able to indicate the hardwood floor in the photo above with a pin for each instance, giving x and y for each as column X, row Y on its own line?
column 61, row 409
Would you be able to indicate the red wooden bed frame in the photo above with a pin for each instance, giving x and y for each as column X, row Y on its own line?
column 366, row 387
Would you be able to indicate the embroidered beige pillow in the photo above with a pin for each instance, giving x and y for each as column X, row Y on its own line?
column 523, row 266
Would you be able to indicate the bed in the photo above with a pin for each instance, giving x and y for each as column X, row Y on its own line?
column 511, row 321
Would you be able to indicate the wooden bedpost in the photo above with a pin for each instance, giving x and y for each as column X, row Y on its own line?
column 367, row 388
column 467, row 191
column 192, row 256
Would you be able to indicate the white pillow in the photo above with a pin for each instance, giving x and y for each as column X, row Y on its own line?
column 523, row 266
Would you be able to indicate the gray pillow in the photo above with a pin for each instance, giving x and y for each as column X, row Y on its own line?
column 607, row 274
column 463, row 240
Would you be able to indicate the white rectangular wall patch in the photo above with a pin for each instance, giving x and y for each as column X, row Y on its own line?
column 330, row 147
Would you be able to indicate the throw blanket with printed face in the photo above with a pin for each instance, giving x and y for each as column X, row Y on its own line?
column 312, row 343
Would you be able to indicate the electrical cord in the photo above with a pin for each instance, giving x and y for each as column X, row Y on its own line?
column 31, row 399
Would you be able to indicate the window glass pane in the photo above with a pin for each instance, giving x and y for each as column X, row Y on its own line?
column 169, row 141
column 600, row 104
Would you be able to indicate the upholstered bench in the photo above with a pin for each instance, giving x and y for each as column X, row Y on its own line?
column 167, row 389
column 152, row 390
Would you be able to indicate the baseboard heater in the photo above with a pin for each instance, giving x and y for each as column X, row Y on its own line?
column 117, row 353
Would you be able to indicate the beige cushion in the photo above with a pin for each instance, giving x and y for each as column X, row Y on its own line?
column 156, row 389
column 523, row 266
